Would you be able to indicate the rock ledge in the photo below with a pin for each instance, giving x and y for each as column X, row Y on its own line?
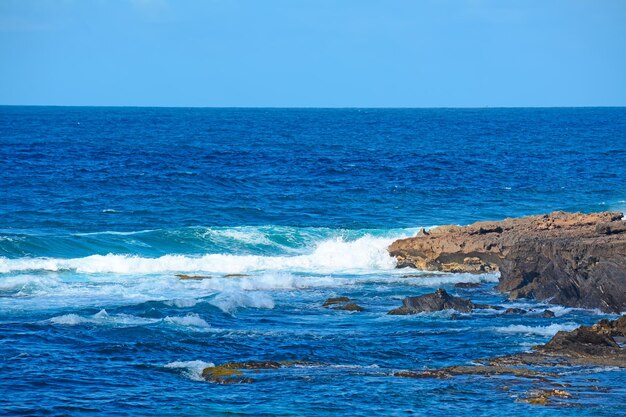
column 573, row 259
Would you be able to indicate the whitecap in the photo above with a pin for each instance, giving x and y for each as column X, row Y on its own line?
column 230, row 301
column 550, row 330
column 190, row 320
column 191, row 369
column 102, row 318
column 336, row 255
column 182, row 302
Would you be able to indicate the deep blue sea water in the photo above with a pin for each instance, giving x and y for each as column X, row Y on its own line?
column 100, row 208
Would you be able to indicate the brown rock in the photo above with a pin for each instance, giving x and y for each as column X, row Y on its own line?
column 191, row 277
column 548, row 314
column 585, row 346
column 544, row 396
column 233, row 372
column 335, row 300
column 350, row 307
column 573, row 259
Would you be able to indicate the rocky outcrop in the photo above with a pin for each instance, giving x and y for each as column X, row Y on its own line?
column 350, row 307
column 601, row 344
column 342, row 303
column 234, row 372
column 335, row 300
column 437, row 301
column 573, row 259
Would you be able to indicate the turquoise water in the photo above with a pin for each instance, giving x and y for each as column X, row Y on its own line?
column 100, row 208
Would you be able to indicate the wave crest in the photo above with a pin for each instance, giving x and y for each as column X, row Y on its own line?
column 364, row 254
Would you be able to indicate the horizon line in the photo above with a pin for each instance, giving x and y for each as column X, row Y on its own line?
column 316, row 107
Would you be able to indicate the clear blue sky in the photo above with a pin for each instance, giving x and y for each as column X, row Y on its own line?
column 313, row 53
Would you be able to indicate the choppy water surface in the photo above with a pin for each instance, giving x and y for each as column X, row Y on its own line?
column 100, row 208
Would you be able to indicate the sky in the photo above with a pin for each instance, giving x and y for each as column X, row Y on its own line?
column 313, row 53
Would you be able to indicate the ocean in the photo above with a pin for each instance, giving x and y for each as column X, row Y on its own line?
column 101, row 208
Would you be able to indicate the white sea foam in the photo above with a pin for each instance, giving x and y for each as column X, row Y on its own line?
column 27, row 283
column 191, row 369
column 102, row 318
column 249, row 235
column 443, row 279
column 182, row 302
column 330, row 256
column 190, row 320
column 550, row 330
column 229, row 301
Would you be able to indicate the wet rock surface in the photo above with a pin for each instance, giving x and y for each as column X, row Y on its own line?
column 234, row 372
column 350, row 307
column 545, row 396
column 342, row 303
column 437, row 301
column 185, row 277
column 335, row 300
column 572, row 259
column 600, row 344
column 515, row 311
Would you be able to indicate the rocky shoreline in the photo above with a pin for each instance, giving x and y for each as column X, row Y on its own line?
column 571, row 259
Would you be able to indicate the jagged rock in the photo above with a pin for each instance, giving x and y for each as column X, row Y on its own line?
column 572, row 259
column 515, row 311
column 467, row 285
column 548, row 314
column 335, row 300
column 437, row 301
column 600, row 344
column 236, row 275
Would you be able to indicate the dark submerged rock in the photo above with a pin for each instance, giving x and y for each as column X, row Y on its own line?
column 548, row 314
column 515, row 311
column 467, row 285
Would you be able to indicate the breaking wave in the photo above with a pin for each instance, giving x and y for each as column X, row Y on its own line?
column 550, row 330
column 364, row 254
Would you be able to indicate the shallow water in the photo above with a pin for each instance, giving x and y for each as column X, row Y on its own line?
column 102, row 207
